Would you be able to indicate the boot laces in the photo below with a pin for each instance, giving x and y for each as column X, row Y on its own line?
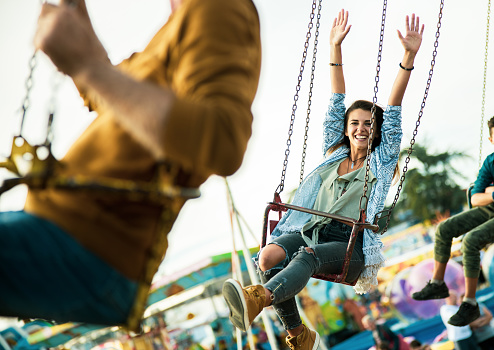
column 253, row 290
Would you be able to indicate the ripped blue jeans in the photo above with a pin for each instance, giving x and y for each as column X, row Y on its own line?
column 290, row 276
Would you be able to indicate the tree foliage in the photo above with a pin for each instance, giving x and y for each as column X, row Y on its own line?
column 430, row 186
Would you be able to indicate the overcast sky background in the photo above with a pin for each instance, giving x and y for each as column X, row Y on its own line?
column 451, row 120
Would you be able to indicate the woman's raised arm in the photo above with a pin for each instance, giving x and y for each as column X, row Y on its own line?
column 411, row 43
column 338, row 32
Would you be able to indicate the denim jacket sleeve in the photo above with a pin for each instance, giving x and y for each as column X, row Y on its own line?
column 333, row 125
column 385, row 159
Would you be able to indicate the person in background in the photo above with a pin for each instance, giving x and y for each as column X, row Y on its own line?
column 482, row 329
column 382, row 334
column 477, row 225
column 415, row 345
column 383, row 346
column 356, row 311
column 462, row 337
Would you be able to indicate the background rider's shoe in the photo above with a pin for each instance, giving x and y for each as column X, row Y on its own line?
column 307, row 340
column 244, row 303
column 432, row 291
column 465, row 315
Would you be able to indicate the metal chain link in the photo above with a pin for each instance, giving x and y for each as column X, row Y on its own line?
column 309, row 101
column 28, row 85
column 485, row 77
column 281, row 186
column 56, row 81
column 412, row 141
column 373, row 109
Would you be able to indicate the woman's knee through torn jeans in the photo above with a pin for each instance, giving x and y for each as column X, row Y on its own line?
column 290, row 276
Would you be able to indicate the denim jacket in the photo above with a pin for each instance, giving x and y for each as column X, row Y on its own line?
column 382, row 164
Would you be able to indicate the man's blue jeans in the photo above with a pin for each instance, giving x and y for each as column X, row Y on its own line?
column 45, row 273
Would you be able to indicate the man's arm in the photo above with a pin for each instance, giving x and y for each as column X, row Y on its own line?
column 411, row 43
column 206, row 132
column 482, row 191
column 65, row 34
column 481, row 199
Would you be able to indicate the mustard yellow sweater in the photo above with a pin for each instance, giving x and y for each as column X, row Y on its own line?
column 209, row 54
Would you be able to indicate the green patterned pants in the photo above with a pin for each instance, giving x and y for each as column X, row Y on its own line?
column 478, row 226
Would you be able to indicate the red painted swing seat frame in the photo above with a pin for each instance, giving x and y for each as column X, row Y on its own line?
column 357, row 227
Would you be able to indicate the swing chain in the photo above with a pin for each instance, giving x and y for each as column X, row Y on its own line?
column 51, row 108
column 485, row 77
column 281, row 186
column 29, row 85
column 412, row 141
column 27, row 102
column 373, row 110
column 309, row 101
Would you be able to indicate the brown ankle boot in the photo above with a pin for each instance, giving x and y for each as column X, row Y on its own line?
column 244, row 303
column 307, row 340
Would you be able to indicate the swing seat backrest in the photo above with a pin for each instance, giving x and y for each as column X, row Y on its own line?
column 469, row 196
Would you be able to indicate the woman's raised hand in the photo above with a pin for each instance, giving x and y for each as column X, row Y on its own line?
column 411, row 43
column 340, row 28
column 413, row 34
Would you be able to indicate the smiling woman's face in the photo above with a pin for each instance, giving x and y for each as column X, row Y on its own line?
column 358, row 129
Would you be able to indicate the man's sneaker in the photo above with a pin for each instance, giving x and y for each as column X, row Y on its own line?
column 432, row 291
column 307, row 340
column 465, row 315
column 244, row 303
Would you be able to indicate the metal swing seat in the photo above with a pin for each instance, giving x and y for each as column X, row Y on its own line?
column 36, row 167
column 357, row 227
column 360, row 224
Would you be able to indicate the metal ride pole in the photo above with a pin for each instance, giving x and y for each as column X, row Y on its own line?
column 252, row 272
column 236, row 273
column 254, row 280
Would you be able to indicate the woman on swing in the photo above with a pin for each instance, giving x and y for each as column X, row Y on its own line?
column 301, row 244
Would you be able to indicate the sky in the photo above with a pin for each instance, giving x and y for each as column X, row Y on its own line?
column 450, row 122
